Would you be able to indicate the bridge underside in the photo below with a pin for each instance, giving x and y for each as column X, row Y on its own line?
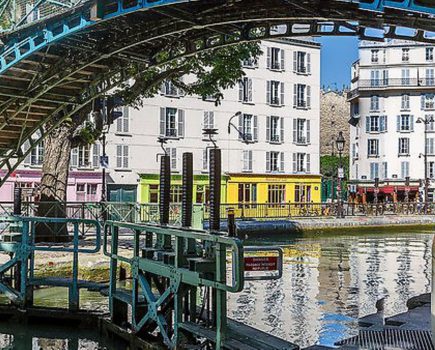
column 56, row 66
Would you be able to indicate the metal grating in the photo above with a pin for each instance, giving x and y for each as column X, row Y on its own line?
column 389, row 339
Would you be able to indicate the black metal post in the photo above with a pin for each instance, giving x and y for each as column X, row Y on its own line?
column 103, row 182
column 187, row 188
column 165, row 196
column 17, row 200
column 215, row 188
column 339, row 189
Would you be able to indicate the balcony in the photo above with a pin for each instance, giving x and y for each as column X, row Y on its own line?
column 397, row 82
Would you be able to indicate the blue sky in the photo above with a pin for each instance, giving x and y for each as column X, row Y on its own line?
column 338, row 54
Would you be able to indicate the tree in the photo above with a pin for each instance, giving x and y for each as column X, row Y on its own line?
column 210, row 73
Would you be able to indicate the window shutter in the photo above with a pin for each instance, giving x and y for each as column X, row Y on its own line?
column 241, row 90
column 367, row 124
column 255, row 128
column 180, row 123
column 119, row 124
column 241, row 131
column 398, row 123
column 250, row 160
column 295, row 169
column 163, row 88
column 126, row 115
column 282, row 60
column 308, row 163
column 422, row 102
column 295, row 95
column 308, row 125
column 205, row 120
column 411, row 122
column 281, row 124
column 308, row 63
column 267, row 161
column 281, row 167
column 295, row 61
column 267, row 128
column 268, row 58
column 295, row 130
column 174, row 158
column 308, row 96
column 398, row 145
column 282, row 94
column 369, row 152
column 25, row 148
column 125, row 156
column 211, row 119
column 244, row 160
column 268, row 95
column 250, row 90
column 162, row 121
column 204, row 159
column 96, row 155
column 74, row 157
column 385, row 123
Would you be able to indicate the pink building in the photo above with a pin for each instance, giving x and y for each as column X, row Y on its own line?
column 82, row 185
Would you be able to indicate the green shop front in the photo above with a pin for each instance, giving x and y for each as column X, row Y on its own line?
column 149, row 188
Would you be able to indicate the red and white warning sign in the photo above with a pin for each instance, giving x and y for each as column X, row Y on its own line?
column 261, row 263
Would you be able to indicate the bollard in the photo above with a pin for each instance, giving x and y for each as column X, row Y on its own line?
column 215, row 189
column 232, row 229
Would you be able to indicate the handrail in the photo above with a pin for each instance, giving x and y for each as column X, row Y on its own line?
column 187, row 276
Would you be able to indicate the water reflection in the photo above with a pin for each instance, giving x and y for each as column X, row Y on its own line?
column 330, row 282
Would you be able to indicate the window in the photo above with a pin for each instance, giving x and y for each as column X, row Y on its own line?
column 208, row 121
column 247, row 160
column 301, row 62
column 374, row 171
column 431, row 169
column 169, row 89
column 172, row 153
column 301, row 96
column 274, row 162
column 34, row 15
column 81, row 157
column 247, row 193
column 372, row 148
column 276, row 194
column 176, row 193
column 171, row 122
column 86, row 193
column 301, row 131
column 385, row 170
column 275, row 58
column 122, row 156
column 37, row 154
column 302, row 193
column 405, row 77
column 248, row 127
column 374, row 103
column 376, row 123
column 202, row 194
column 354, row 109
column 385, row 79
column 84, row 157
column 375, row 78
column 404, row 169
column 403, row 146
column 430, row 146
column 245, row 90
column 250, row 63
column 123, row 122
column 405, row 55
column 405, row 123
column 275, row 93
column 154, row 193
column 430, row 126
column 205, row 159
column 428, row 101
column 301, row 163
column 405, row 105
column 430, row 77
column 274, row 129
column 429, row 54
column 375, row 56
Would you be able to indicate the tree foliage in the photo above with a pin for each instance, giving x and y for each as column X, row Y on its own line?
column 330, row 164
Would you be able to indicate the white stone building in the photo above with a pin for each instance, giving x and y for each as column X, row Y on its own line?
column 392, row 95
column 279, row 104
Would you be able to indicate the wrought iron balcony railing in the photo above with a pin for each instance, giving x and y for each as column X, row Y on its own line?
column 396, row 82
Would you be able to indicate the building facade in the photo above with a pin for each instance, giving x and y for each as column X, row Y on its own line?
column 392, row 117
column 270, row 149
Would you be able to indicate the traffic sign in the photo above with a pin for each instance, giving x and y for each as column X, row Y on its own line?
column 261, row 263
column 104, row 161
column 341, row 173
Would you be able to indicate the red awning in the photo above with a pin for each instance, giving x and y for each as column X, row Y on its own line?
column 387, row 189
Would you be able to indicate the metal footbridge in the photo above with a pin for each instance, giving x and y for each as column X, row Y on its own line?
column 59, row 55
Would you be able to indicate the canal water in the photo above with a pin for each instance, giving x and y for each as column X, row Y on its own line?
column 328, row 283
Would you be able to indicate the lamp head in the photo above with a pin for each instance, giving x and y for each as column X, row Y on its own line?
column 340, row 141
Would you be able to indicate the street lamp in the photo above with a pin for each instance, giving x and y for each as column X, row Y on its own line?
column 339, row 142
column 426, row 122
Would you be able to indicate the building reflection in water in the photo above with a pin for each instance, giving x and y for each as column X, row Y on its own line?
column 330, row 282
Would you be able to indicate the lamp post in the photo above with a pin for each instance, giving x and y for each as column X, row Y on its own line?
column 340, row 141
column 426, row 122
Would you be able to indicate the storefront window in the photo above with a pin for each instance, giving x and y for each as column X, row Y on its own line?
column 247, row 193
column 176, row 194
column 276, row 193
column 154, row 193
column 303, row 193
column 202, row 194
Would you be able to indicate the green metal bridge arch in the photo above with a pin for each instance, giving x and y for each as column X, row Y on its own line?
column 61, row 62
